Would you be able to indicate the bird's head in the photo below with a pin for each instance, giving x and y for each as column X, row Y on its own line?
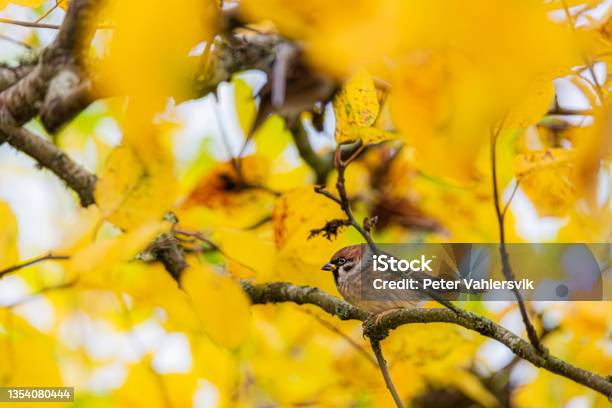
column 344, row 261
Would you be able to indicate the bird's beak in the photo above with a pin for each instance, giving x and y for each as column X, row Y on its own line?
column 328, row 267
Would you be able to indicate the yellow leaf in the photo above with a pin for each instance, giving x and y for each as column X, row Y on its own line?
column 425, row 88
column 531, row 108
column 299, row 211
column 27, row 3
column 245, row 105
column 373, row 135
column 296, row 213
column 248, row 252
column 140, row 53
column 81, row 230
column 272, row 138
column 218, row 366
column 165, row 390
column 356, row 106
column 529, row 162
column 9, row 255
column 32, row 360
column 220, row 303
column 546, row 177
column 593, row 147
column 219, row 198
column 103, row 255
column 133, row 190
column 450, row 81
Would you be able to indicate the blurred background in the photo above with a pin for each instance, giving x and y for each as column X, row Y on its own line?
column 134, row 341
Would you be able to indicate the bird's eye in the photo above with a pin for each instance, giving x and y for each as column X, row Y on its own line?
column 341, row 261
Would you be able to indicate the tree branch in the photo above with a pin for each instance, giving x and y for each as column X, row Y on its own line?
column 51, row 157
column 505, row 259
column 30, row 24
column 21, row 102
column 69, row 93
column 57, row 89
column 167, row 249
column 10, row 75
column 279, row 292
column 340, row 164
column 382, row 363
column 378, row 329
column 322, row 166
column 48, row 257
column 235, row 53
column 345, row 203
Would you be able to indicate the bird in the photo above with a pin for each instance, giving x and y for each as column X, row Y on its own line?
column 348, row 265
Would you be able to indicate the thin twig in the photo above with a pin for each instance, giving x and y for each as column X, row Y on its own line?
column 506, row 267
column 47, row 257
column 323, row 191
column 259, row 223
column 344, row 200
column 33, row 24
column 29, row 24
column 51, row 10
column 14, row 41
column 385, row 372
column 514, row 190
column 42, row 291
column 560, row 111
column 197, row 235
column 200, row 237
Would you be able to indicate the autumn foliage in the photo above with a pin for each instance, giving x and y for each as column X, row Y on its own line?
column 209, row 125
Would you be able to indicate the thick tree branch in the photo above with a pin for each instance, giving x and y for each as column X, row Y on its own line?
column 279, row 292
column 68, row 94
column 57, row 89
column 51, row 157
column 21, row 102
column 167, row 249
column 10, row 75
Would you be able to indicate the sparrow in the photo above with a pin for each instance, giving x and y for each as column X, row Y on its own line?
column 347, row 266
